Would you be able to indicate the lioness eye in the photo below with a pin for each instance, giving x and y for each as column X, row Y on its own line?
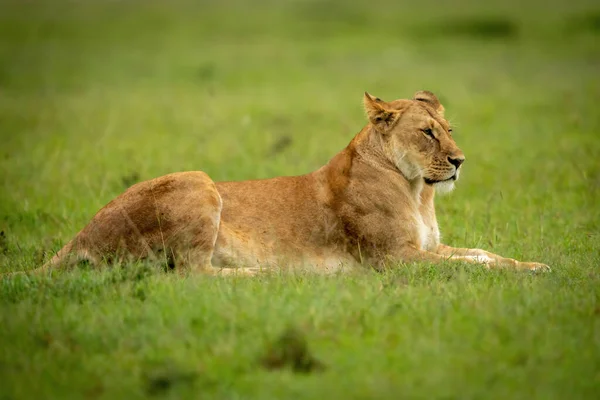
column 429, row 132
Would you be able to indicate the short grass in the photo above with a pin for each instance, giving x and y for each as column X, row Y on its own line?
column 96, row 95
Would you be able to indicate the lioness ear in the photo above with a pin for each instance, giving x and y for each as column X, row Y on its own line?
column 431, row 99
column 380, row 117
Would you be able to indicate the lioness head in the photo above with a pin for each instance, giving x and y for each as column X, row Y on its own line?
column 416, row 138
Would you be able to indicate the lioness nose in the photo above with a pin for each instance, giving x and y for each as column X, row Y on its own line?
column 456, row 161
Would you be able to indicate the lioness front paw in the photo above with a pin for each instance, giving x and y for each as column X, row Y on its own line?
column 238, row 271
column 534, row 266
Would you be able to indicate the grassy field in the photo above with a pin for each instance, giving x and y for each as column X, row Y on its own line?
column 96, row 95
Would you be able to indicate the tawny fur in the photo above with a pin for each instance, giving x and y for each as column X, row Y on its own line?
column 372, row 204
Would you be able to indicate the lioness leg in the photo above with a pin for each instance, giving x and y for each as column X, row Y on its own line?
column 197, row 260
column 488, row 258
column 174, row 218
column 194, row 255
column 471, row 256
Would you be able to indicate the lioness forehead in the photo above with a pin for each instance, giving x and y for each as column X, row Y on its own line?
column 420, row 108
column 433, row 114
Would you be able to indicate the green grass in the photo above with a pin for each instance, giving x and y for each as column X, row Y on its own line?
column 96, row 95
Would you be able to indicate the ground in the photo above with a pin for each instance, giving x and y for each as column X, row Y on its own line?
column 96, row 95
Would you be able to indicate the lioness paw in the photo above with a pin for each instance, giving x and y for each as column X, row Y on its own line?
column 536, row 267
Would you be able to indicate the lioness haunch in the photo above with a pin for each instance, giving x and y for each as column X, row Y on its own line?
column 372, row 204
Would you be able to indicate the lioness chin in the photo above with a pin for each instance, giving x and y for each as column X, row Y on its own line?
column 372, row 204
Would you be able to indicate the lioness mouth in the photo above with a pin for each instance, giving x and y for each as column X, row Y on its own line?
column 432, row 181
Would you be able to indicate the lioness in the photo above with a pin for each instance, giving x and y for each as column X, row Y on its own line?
column 372, row 204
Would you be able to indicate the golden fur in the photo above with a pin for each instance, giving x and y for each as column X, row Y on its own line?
column 372, row 204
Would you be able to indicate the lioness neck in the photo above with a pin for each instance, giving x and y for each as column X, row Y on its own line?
column 365, row 156
column 369, row 146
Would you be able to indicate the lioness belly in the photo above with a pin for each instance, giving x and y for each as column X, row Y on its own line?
column 237, row 248
column 277, row 222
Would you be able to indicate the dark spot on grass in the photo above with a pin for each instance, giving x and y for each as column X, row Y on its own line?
column 520, row 358
column 291, row 350
column 3, row 243
column 130, row 179
column 476, row 27
column 324, row 16
column 95, row 391
column 589, row 22
column 282, row 143
column 139, row 292
column 196, row 323
column 207, row 72
column 45, row 340
column 159, row 384
column 394, row 309
column 162, row 379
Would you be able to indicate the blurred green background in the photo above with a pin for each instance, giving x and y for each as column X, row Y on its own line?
column 97, row 95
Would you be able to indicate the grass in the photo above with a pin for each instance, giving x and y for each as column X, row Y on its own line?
column 97, row 95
